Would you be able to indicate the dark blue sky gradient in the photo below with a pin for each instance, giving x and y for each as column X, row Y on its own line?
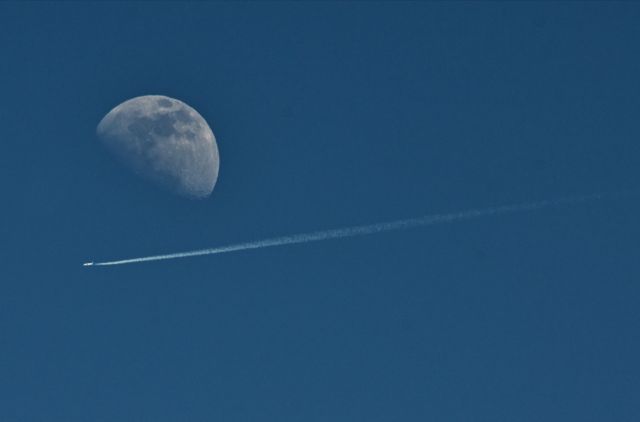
column 326, row 115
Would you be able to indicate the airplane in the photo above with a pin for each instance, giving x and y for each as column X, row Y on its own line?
column 87, row 264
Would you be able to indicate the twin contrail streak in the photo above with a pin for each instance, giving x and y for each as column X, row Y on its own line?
column 428, row 220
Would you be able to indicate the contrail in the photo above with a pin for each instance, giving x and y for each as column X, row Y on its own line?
column 427, row 220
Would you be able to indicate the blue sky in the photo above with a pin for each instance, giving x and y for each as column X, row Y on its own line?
column 326, row 115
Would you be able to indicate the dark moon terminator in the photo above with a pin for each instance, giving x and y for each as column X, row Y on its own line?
column 164, row 141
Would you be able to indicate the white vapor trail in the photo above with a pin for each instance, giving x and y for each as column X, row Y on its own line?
column 373, row 228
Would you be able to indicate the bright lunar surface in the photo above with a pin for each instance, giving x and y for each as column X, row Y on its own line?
column 165, row 141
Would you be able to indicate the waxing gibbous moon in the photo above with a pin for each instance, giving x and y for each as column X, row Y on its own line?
column 164, row 141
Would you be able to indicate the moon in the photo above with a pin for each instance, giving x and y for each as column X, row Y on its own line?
column 164, row 141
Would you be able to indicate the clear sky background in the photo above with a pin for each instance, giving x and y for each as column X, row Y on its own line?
column 326, row 115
